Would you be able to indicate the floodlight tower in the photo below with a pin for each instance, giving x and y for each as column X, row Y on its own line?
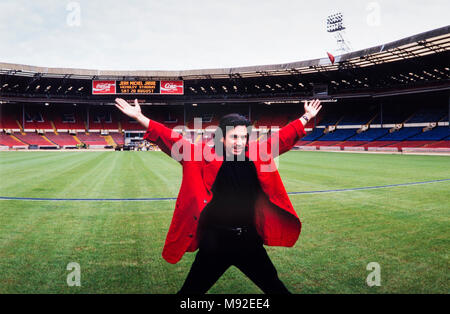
column 335, row 24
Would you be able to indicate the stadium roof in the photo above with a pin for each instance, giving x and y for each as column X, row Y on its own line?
column 427, row 43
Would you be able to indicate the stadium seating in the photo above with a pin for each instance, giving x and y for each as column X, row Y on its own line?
column 338, row 135
column 266, row 116
column 209, row 114
column 94, row 139
column 331, row 118
column 62, row 139
column 174, row 118
column 117, row 137
column 314, row 135
column 379, row 143
column 358, row 118
column 427, row 115
column 102, row 118
column 33, row 139
column 352, row 143
column 405, row 137
column 9, row 117
column 35, row 118
column 68, row 119
column 440, row 144
column 369, row 135
column 394, row 113
column 409, row 143
column 130, row 124
column 7, row 140
column 302, row 143
column 324, row 143
column 436, row 134
column 401, row 135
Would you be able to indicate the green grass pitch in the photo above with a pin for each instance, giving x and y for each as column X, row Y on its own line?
column 118, row 245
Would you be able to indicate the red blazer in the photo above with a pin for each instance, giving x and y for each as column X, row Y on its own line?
column 275, row 218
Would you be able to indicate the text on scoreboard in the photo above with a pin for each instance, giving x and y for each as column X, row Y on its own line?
column 137, row 87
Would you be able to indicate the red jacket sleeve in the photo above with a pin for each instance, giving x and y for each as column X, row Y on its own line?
column 286, row 137
column 166, row 139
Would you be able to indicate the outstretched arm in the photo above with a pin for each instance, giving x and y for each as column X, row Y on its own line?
column 156, row 132
column 287, row 136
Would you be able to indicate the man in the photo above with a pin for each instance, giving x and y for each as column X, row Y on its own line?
column 231, row 200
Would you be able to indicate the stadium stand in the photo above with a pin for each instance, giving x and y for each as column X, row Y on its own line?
column 130, row 124
column 102, row 118
column 331, row 118
column 9, row 117
column 369, row 135
column 379, row 143
column 445, row 118
column 357, row 118
column 314, row 135
column 401, row 135
column 409, row 144
column 68, row 118
column 428, row 115
column 92, row 139
column 302, row 143
column 338, row 135
column 106, row 118
column 323, row 143
column 35, row 119
column 435, row 134
column 117, row 137
column 394, row 113
column 10, row 141
column 441, row 144
column 351, row 143
column 62, row 139
column 34, row 139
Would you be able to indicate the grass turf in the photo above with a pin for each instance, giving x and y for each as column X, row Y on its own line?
column 118, row 244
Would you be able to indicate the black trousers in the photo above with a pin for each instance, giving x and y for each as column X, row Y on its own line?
column 221, row 248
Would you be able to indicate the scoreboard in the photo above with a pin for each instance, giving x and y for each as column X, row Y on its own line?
column 145, row 87
column 137, row 87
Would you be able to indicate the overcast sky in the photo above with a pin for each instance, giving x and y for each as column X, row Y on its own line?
column 198, row 34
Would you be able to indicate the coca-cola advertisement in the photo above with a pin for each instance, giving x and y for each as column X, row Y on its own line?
column 103, row 87
column 172, row 87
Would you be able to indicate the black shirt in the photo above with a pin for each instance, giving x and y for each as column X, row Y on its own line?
column 234, row 194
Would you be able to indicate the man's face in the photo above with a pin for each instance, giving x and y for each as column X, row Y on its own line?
column 235, row 140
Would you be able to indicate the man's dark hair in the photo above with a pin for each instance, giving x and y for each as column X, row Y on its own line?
column 230, row 120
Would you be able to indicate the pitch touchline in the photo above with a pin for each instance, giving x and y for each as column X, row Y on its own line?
column 174, row 198
column 369, row 187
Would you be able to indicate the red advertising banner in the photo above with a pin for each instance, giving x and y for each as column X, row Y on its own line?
column 172, row 87
column 103, row 87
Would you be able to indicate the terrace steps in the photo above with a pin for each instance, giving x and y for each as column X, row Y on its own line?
column 54, row 128
column 18, row 140
column 110, row 140
column 48, row 140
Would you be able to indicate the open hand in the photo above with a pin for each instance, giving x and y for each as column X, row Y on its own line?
column 131, row 111
column 312, row 108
